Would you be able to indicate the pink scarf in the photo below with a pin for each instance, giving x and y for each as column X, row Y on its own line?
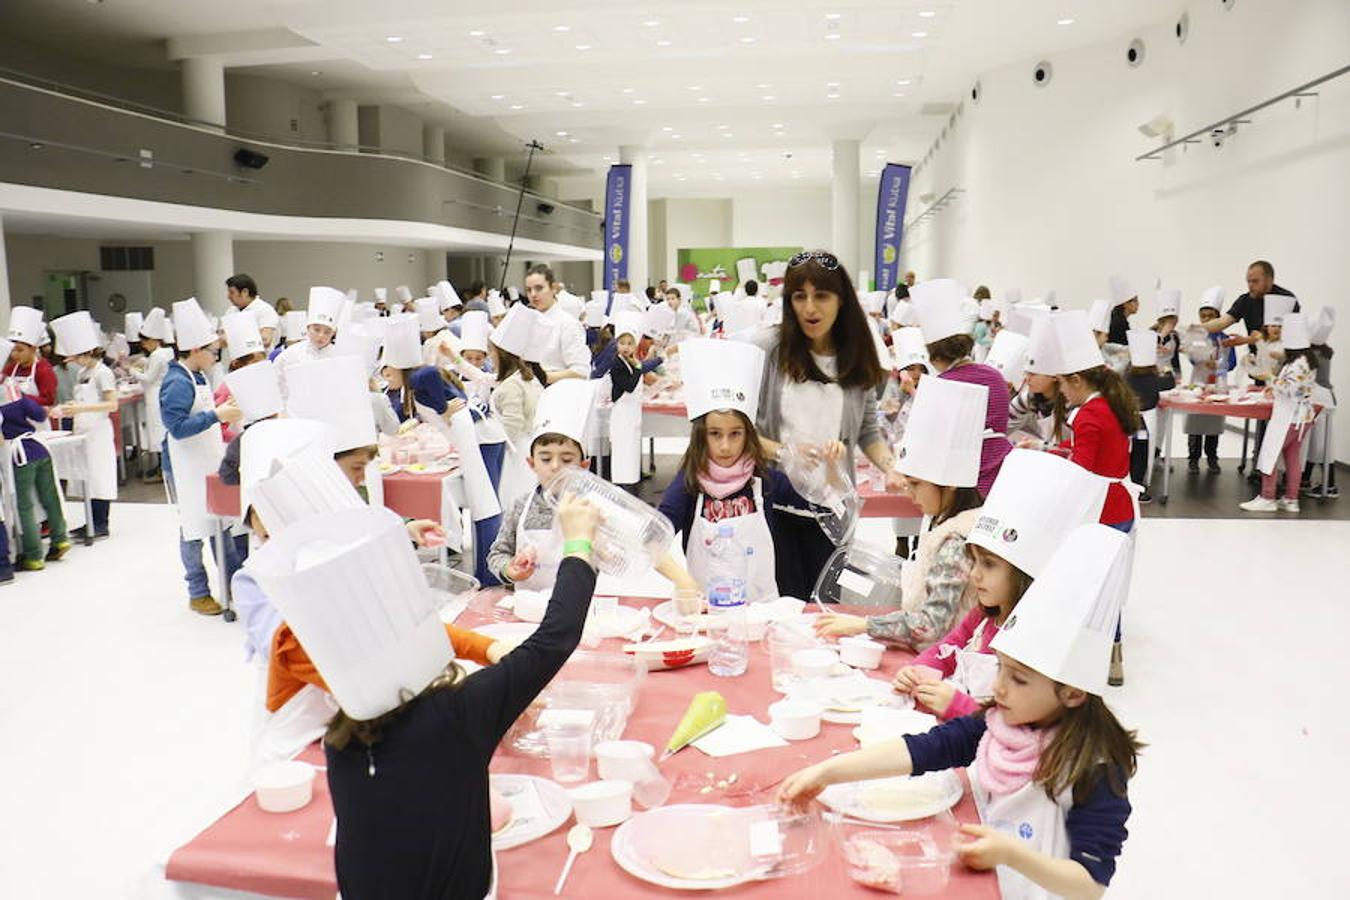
column 723, row 481
column 1008, row 754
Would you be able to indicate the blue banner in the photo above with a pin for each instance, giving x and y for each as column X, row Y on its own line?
column 891, row 197
column 617, row 191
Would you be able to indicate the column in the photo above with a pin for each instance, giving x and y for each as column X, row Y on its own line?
column 204, row 89
column 844, row 204
column 436, row 270
column 433, row 144
column 344, row 130
column 637, row 211
column 6, row 302
column 493, row 167
column 212, row 263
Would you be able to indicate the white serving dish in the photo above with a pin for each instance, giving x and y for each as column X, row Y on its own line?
column 623, row 760
column 600, row 804
column 538, row 807
column 795, row 720
column 901, row 799
column 673, row 654
column 861, row 652
column 284, row 787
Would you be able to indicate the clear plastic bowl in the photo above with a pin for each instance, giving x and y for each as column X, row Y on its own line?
column 631, row 535
column 915, row 859
column 453, row 589
column 604, row 683
column 861, row 575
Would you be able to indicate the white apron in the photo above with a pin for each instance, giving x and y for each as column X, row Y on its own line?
column 1281, row 420
column 192, row 459
column 100, row 450
column 154, row 422
column 302, row 720
column 17, row 386
column 975, row 671
column 752, row 531
column 1032, row 816
column 548, row 549
column 625, row 438
column 482, row 499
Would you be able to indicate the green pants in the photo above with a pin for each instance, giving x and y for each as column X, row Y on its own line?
column 37, row 477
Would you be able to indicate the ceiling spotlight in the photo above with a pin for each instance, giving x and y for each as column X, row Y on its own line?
column 517, row 106
column 577, row 104
column 926, row 14
column 562, row 29
column 394, row 39
column 560, row 133
column 747, row 40
column 694, row 87
column 832, row 84
column 477, row 33
column 667, row 128
column 832, row 16
column 316, row 73
column 740, row 20
column 834, row 36
column 763, row 87
column 702, row 99
column 723, row 127
column 574, row 140
column 502, row 51
column 776, row 125
column 663, row 43
column 639, row 102
column 424, row 56
column 727, row 134
column 627, row 90
column 651, row 23
column 1064, row 22
column 498, row 96
column 919, row 34
column 904, row 81
column 583, row 47
column 898, row 94
column 674, row 137
column 768, row 97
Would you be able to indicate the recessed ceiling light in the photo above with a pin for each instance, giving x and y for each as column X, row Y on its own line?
column 769, row 97
column 747, row 40
column 919, row 34
column 651, row 23
column 667, row 128
column 904, row 81
column 833, row 36
column 639, row 102
column 898, row 94
column 628, row 90
column 663, row 43
column 476, row 33
column 562, row 29
column 763, row 87
column 727, row 134
column 583, row 47
column 424, row 56
column 607, row 158
column 740, row 20
column 832, row 16
column 776, row 125
column 502, row 51
column 694, row 87
column 574, row 140
column 723, row 127
column 927, row 14
column 498, row 96
column 561, row 133
column 832, row 84
column 702, row 99
column 316, row 73
column 562, row 93
column 674, row 137
column 394, row 39
column 1064, row 22
column 577, row 104
column 517, row 106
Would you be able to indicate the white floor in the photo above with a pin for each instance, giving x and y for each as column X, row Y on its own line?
column 124, row 714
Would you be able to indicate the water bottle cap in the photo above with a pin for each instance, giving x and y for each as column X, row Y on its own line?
column 725, row 530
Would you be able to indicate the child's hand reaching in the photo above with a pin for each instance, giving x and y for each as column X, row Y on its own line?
column 803, row 786
column 839, row 625
column 426, row 533
column 989, row 848
column 522, row 565
column 910, row 677
column 936, row 695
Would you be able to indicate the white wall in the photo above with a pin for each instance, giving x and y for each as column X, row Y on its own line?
column 781, row 217
column 1055, row 199
column 289, row 268
column 691, row 222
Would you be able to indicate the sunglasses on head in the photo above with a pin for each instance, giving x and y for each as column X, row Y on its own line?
column 826, row 261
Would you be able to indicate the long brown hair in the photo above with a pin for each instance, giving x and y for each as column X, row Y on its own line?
column 1021, row 580
column 952, row 348
column 963, row 499
column 509, row 364
column 1089, row 742
column 1114, row 390
column 696, row 454
column 857, row 362
column 603, row 336
column 342, row 729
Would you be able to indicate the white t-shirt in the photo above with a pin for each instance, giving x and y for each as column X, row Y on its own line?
column 570, row 350
column 813, row 412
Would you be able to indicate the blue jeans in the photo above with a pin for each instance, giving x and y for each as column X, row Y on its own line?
column 485, row 532
column 194, row 572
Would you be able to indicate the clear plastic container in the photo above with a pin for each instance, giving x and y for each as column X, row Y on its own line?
column 828, row 486
column 913, row 859
column 607, row 684
column 727, row 579
column 631, row 535
column 785, row 639
column 861, row 575
column 721, row 845
column 453, row 589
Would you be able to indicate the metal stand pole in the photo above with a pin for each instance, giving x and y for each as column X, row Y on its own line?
column 515, row 222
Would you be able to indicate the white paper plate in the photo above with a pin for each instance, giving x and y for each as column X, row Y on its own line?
column 508, row 631
column 665, row 614
column 553, row 809
column 430, row 469
column 844, row 697
column 390, row 468
column 620, row 847
column 941, row 790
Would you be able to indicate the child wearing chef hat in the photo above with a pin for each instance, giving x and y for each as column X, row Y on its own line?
column 94, row 398
column 26, row 372
column 625, row 377
column 21, row 414
column 1146, row 384
column 1319, row 332
column 1020, row 526
column 520, row 382
column 321, row 320
column 1290, row 420
column 1169, row 342
column 1263, row 364
column 408, row 753
column 939, row 457
column 1049, row 763
column 938, row 304
column 724, row 478
column 243, row 340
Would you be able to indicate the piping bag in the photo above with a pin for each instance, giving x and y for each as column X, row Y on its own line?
column 706, row 712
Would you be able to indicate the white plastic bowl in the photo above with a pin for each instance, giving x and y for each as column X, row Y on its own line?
column 623, row 760
column 814, row 662
column 601, row 804
column 795, row 720
column 284, row 787
column 861, row 652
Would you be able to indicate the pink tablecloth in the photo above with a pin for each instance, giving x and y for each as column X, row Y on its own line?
column 1252, row 410
column 287, row 855
column 409, row 495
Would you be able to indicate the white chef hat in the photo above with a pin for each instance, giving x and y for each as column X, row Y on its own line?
column 988, row 307
column 1294, row 335
column 242, row 336
column 1321, row 329
column 1062, row 344
column 381, row 295
column 1121, row 289
column 516, row 334
column 335, row 391
column 271, row 446
column 908, row 348
column 26, row 326
column 945, row 433
column 1064, row 625
column 1213, row 298
column 659, row 319
column 75, row 333
column 474, row 331
column 629, row 323
column 403, row 293
column 1013, row 295
column 601, row 295
column 131, row 325
column 156, row 325
column 324, row 305
column 362, row 341
column 564, row 408
column 1021, row 317
column 1277, row 306
column 1099, row 315
column 1008, row 354
column 350, row 586
column 1169, row 302
column 1037, row 499
column 496, row 306
column 741, row 317
column 193, row 328
column 293, row 324
column 714, row 286
column 571, row 304
column 595, row 313
column 1143, row 346
column 446, row 295
column 513, row 292
column 429, row 315
column 903, row 314
column 402, row 344
column 721, row 375
column 262, row 311
column 256, row 389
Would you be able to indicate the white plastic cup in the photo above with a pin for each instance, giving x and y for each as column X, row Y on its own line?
column 814, row 662
column 785, row 639
column 795, row 720
column 601, row 804
column 861, row 652
column 284, row 786
column 623, row 760
column 569, row 751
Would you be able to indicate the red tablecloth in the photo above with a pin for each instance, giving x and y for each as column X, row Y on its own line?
column 409, row 495
column 1256, row 410
column 666, row 409
column 286, row 855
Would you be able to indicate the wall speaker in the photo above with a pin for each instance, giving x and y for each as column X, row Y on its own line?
column 975, row 93
column 1134, row 54
column 544, row 209
column 1041, row 75
column 250, row 159
column 1183, row 28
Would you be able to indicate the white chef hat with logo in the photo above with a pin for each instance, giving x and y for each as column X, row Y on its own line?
column 1277, row 306
column 474, row 331
column 908, row 348
column 1169, row 302
column 945, row 433
column 256, row 390
column 324, row 305
column 721, row 375
column 242, row 337
column 26, row 326
column 564, row 408
column 1062, row 344
column 1213, row 298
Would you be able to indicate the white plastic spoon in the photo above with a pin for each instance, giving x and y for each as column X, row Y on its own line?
column 579, row 839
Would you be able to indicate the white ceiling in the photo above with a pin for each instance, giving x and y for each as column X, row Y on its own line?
column 704, row 85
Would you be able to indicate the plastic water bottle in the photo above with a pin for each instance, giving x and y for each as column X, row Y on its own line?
column 728, row 577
